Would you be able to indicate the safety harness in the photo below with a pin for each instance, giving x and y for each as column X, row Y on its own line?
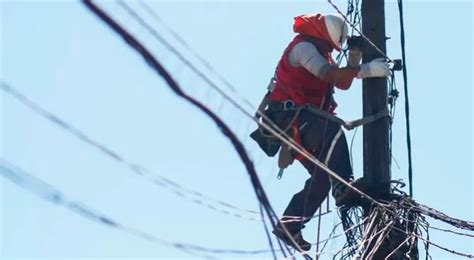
column 285, row 156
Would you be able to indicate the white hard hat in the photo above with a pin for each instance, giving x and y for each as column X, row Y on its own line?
column 337, row 29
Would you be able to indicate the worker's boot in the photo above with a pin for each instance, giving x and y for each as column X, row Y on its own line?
column 291, row 237
column 344, row 195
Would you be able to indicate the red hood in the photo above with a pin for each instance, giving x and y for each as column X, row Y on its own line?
column 313, row 25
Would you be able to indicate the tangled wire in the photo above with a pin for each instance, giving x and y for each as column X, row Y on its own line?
column 392, row 231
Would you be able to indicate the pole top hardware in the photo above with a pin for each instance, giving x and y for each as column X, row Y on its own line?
column 397, row 65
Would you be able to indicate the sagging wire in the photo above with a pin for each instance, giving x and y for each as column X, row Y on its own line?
column 193, row 196
column 47, row 192
column 451, row 231
column 138, row 169
column 154, row 64
column 185, row 44
column 53, row 195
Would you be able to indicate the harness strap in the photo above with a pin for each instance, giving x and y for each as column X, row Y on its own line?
column 349, row 125
column 323, row 113
column 286, row 158
column 366, row 120
column 265, row 100
column 331, row 150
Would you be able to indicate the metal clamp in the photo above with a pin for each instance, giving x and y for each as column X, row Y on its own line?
column 288, row 105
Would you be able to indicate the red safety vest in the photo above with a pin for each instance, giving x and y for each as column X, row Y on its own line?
column 298, row 84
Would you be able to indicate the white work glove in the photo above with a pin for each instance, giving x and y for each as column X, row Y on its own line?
column 374, row 69
column 355, row 56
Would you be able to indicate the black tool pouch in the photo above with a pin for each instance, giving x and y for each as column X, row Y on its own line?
column 268, row 142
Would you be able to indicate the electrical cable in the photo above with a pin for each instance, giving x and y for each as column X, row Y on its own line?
column 156, row 179
column 407, row 103
column 162, row 72
column 53, row 195
column 47, row 192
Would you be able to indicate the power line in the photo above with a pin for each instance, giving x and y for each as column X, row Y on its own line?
column 173, row 85
column 183, row 42
column 47, row 192
column 156, row 179
column 53, row 195
column 407, row 103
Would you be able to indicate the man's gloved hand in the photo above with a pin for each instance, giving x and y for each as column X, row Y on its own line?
column 355, row 56
column 375, row 68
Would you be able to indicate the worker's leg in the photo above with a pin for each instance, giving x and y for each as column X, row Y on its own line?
column 326, row 141
column 316, row 134
column 306, row 202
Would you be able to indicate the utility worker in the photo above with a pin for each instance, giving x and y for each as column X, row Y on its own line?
column 306, row 74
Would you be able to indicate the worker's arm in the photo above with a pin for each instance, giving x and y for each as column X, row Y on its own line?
column 341, row 77
column 304, row 54
column 353, row 61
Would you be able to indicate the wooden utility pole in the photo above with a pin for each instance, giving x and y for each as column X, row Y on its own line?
column 376, row 135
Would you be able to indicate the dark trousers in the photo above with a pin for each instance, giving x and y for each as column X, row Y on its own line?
column 317, row 136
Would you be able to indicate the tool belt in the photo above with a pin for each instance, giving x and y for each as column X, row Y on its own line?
column 281, row 115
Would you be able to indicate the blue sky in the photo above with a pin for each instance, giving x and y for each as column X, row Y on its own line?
column 65, row 59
